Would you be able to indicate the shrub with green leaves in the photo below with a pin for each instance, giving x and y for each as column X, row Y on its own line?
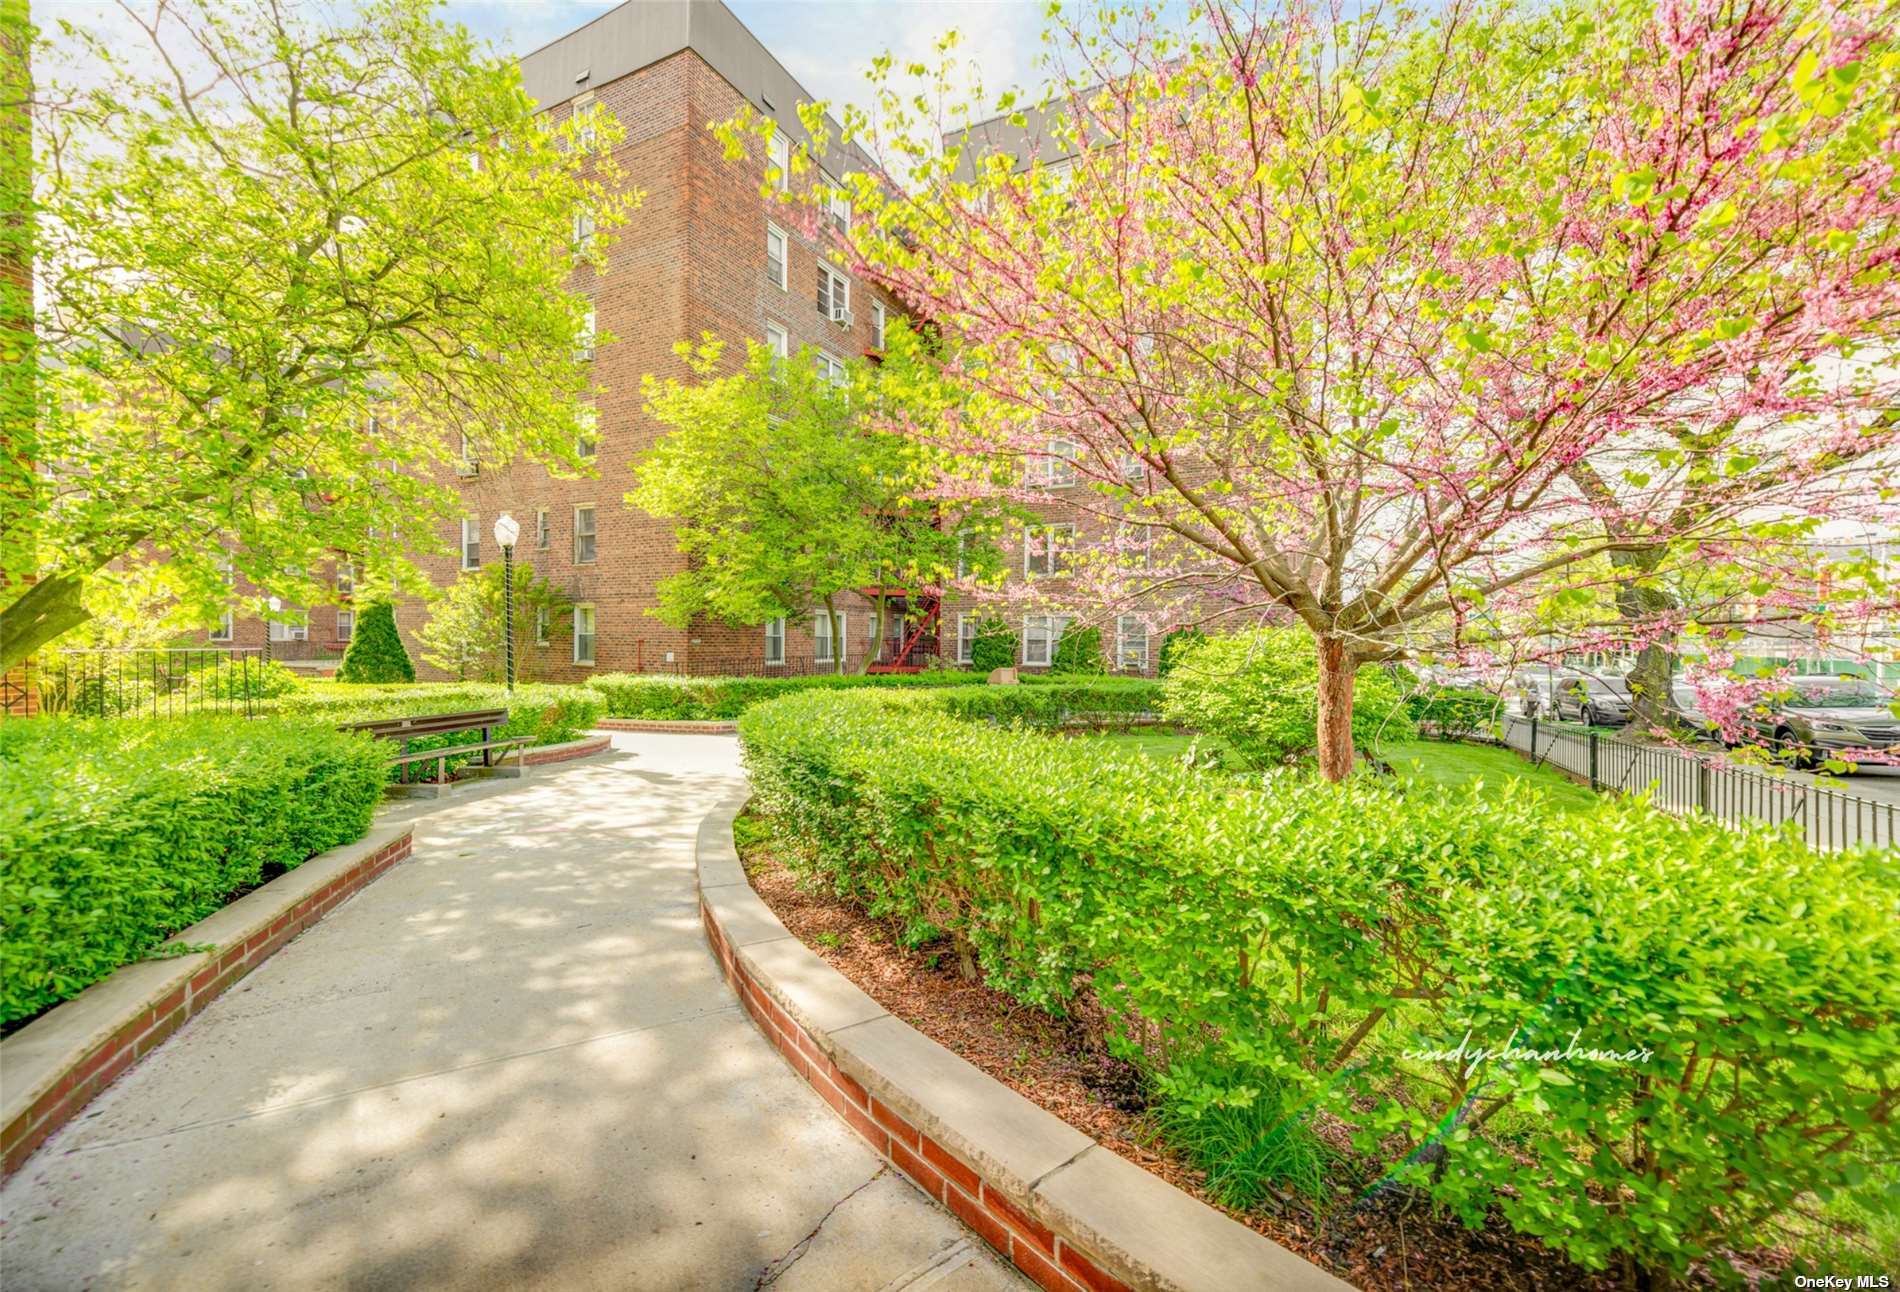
column 1079, row 651
column 547, row 713
column 376, row 653
column 117, row 833
column 994, row 647
column 1342, row 950
column 1454, row 712
column 1258, row 692
column 244, row 679
column 665, row 698
column 1054, row 701
column 1173, row 644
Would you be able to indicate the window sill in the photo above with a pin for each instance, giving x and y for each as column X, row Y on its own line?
column 583, row 663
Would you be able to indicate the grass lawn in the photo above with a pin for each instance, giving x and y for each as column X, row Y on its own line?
column 1429, row 761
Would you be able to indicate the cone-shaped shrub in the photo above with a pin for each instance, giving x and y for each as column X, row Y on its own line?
column 376, row 652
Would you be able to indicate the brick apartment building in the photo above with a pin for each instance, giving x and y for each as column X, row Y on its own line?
column 702, row 253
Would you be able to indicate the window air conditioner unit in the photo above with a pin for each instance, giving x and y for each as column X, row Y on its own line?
column 468, row 469
column 842, row 318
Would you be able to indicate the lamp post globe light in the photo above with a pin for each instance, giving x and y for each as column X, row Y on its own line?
column 507, row 530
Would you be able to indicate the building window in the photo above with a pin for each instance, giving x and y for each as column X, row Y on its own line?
column 775, row 641
column 542, row 533
column 1040, row 635
column 583, row 229
column 966, row 637
column 470, row 454
column 831, row 368
column 1057, row 467
column 345, row 578
column 834, row 295
column 583, row 634
column 540, row 625
column 821, row 637
column 1046, row 549
column 838, row 208
column 778, row 341
column 227, row 626
column 584, row 123
column 877, row 324
column 345, row 624
column 289, row 632
column 1131, row 642
column 472, row 543
column 583, row 536
column 587, row 442
column 589, row 321
column 775, row 257
column 778, row 155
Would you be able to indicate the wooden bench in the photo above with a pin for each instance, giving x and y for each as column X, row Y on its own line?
column 417, row 726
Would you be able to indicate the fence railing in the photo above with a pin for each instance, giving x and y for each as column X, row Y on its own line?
column 157, row 682
column 1681, row 782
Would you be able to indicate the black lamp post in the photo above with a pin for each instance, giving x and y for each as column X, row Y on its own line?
column 506, row 532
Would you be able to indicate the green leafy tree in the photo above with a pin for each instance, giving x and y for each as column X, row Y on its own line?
column 1173, row 644
column 1258, row 692
column 376, row 652
column 280, row 275
column 783, row 494
column 994, row 647
column 463, row 635
column 1079, row 651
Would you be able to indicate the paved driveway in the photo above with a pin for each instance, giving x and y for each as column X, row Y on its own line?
column 509, row 1063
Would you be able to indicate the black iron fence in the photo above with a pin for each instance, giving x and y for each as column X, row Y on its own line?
column 1682, row 782
column 158, row 682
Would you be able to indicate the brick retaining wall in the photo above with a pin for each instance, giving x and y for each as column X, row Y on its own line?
column 60, row 1061
column 1071, row 1215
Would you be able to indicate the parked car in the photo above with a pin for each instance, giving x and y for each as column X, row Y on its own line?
column 1593, row 699
column 1809, row 716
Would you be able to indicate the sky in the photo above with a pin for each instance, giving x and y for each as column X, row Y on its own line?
column 827, row 45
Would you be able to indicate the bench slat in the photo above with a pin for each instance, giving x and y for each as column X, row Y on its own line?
column 426, row 755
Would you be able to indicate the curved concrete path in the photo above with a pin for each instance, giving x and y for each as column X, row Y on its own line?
column 509, row 1063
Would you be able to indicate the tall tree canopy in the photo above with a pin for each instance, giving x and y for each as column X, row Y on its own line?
column 785, row 490
column 283, row 267
column 1418, row 329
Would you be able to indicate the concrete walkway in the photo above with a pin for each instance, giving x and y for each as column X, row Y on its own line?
column 509, row 1063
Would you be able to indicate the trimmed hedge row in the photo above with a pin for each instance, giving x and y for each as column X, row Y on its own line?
column 1337, row 953
column 116, row 833
column 720, row 699
column 1052, row 702
column 549, row 713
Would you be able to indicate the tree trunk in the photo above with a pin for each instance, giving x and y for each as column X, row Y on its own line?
column 837, row 638
column 1336, row 670
column 46, row 610
column 1655, row 664
column 877, row 635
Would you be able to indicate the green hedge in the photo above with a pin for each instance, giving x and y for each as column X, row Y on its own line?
column 719, row 699
column 547, row 712
column 1307, row 944
column 117, row 833
column 1454, row 712
column 1053, row 700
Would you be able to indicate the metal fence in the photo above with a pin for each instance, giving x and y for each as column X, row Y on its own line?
column 160, row 682
column 1680, row 782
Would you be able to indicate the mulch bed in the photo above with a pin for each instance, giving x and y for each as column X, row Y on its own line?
column 1384, row 1241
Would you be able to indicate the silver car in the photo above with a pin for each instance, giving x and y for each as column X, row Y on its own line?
column 1593, row 699
column 1815, row 715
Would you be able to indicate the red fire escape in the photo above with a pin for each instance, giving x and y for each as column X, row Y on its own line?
column 911, row 626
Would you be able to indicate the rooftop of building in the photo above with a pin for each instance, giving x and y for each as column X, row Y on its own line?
column 641, row 33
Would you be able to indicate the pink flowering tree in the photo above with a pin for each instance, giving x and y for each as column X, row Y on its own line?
column 1431, row 335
